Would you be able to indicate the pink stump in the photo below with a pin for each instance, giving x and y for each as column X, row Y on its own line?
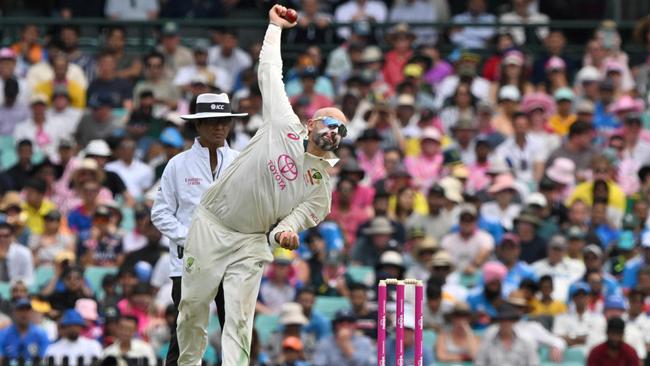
column 381, row 324
column 399, row 329
column 419, row 297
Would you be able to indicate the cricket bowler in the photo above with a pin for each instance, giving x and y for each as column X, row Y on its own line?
column 185, row 178
column 277, row 187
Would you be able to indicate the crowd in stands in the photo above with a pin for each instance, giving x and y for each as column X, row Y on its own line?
column 514, row 185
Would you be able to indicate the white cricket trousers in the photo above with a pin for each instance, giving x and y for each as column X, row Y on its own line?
column 212, row 253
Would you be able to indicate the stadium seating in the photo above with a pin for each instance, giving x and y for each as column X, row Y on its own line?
column 265, row 325
column 95, row 275
column 329, row 305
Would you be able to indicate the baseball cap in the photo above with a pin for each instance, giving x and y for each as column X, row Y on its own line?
column 39, row 98
column 293, row 343
column 557, row 241
column 626, row 240
column 579, row 287
column 72, row 317
column 467, row 209
column 563, row 94
column 172, row 137
column 586, row 106
column 7, row 53
column 170, row 29
column 509, row 92
column 431, row 133
column 575, row 232
column 594, row 249
column 555, row 63
column 97, row 148
column 344, row 315
column 52, row 215
column 23, row 304
column 536, row 199
column 510, row 237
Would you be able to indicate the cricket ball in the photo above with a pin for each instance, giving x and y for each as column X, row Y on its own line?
column 291, row 16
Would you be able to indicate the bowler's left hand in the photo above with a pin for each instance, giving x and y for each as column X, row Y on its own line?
column 288, row 240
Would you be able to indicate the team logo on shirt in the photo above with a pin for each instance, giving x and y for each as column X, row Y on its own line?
column 293, row 136
column 287, row 167
column 193, row 181
column 313, row 176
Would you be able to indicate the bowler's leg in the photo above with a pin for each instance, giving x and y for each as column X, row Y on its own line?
column 241, row 285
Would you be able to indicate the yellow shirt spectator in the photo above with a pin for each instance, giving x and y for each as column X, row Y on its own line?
column 560, row 125
column 551, row 308
column 75, row 92
column 35, row 216
column 585, row 192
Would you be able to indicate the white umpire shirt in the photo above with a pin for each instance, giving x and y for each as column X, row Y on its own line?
column 186, row 177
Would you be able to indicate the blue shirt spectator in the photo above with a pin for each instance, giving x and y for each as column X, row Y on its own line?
column 23, row 339
column 632, row 268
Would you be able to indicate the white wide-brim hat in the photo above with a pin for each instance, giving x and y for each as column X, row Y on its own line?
column 210, row 105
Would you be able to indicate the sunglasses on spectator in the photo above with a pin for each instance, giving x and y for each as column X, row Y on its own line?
column 333, row 124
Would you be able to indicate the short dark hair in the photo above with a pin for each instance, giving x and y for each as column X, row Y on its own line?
column 356, row 286
column 24, row 142
column 305, row 290
column 519, row 114
column 130, row 318
column 154, row 54
column 645, row 270
column 615, row 325
column 434, row 289
column 635, row 293
column 529, row 284
column 11, row 87
column 580, row 128
column 38, row 184
column 546, row 278
column 5, row 225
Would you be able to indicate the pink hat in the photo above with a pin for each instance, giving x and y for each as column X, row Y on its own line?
column 562, row 171
column 555, row 63
column 431, row 134
column 494, row 271
column 627, row 104
column 538, row 100
column 7, row 53
column 501, row 183
column 87, row 308
column 513, row 57
column 613, row 65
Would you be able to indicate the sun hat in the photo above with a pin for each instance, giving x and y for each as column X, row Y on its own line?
column 291, row 313
column 97, row 148
column 538, row 100
column 509, row 92
column 501, row 183
column 536, row 199
column 627, row 103
column 431, row 133
column 555, row 63
column 87, row 308
column 210, row 105
column 562, row 171
column 513, row 57
column 379, row 225
column 442, row 258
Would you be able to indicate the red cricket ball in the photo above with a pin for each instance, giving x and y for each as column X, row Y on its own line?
column 291, row 16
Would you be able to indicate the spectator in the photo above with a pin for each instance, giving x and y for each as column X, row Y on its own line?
column 99, row 122
column 577, row 148
column 310, row 98
column 76, row 91
column 53, row 241
column 339, row 64
column 126, row 345
column 344, row 210
column 102, row 245
column 457, row 342
column 292, row 323
column 8, row 71
column 108, row 85
column 16, row 261
column 66, row 287
column 522, row 14
column 614, row 349
column 377, row 241
column 473, row 37
column 27, row 48
column 416, row 11
column 72, row 344
column 276, row 288
column 23, row 339
column 175, row 54
column 470, row 247
column 292, row 352
column 313, row 24
column 37, row 129
column 61, row 115
column 69, row 36
column 164, row 92
column 12, row 110
column 485, row 299
column 318, row 325
column 512, row 71
column 438, row 221
column 466, row 69
column 554, row 44
column 136, row 175
column 558, row 267
column 362, row 310
column 546, row 305
column 228, row 56
column 353, row 11
column 344, row 347
column 408, row 344
column 503, row 209
column 424, row 248
column 36, row 206
column 213, row 75
column 521, row 349
column 135, row 10
column 603, row 187
column 508, row 253
column 580, row 326
column 463, row 103
column 615, row 307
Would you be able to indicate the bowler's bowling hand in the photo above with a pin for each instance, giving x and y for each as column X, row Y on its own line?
column 288, row 240
column 276, row 16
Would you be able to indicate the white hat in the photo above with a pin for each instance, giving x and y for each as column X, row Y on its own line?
column 509, row 92
column 391, row 258
column 97, row 148
column 588, row 73
column 291, row 313
column 431, row 133
column 210, row 105
column 562, row 171
column 452, row 188
column 536, row 198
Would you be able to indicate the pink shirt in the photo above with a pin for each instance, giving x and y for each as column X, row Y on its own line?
column 478, row 178
column 424, row 170
column 374, row 167
column 142, row 315
column 349, row 221
column 362, row 197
